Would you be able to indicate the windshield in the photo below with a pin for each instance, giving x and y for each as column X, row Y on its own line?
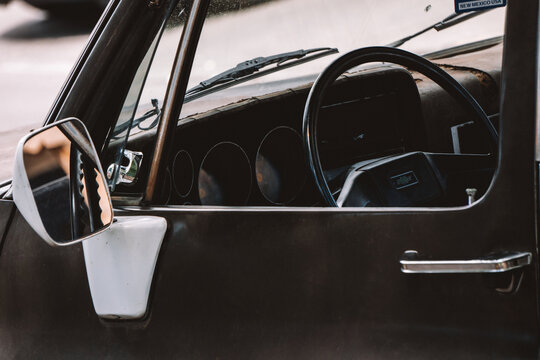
column 255, row 28
column 238, row 31
column 272, row 46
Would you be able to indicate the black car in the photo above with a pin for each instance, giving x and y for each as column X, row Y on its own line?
column 322, row 179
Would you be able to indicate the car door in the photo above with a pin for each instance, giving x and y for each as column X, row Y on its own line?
column 328, row 282
column 308, row 282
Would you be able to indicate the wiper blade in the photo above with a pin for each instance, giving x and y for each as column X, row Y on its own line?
column 249, row 69
column 446, row 23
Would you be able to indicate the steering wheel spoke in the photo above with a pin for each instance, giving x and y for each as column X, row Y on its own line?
column 416, row 179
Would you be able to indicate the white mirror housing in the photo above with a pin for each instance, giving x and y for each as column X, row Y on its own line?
column 58, row 184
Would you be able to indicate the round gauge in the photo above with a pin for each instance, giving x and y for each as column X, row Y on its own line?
column 225, row 176
column 280, row 166
column 183, row 173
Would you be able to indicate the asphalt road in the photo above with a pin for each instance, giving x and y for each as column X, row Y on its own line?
column 36, row 56
column 37, row 52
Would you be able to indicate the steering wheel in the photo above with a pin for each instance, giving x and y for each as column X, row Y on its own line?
column 410, row 179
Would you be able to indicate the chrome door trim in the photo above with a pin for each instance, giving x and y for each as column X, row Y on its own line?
column 411, row 264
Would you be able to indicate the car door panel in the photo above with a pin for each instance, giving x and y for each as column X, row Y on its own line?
column 311, row 270
column 6, row 212
column 284, row 283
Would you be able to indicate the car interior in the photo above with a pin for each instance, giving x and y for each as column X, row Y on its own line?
column 252, row 152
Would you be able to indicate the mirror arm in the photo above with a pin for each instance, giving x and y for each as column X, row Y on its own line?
column 80, row 141
column 93, row 196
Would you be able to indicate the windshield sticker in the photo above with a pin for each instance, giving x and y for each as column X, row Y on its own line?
column 474, row 5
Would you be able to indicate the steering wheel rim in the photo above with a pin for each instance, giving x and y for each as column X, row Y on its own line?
column 368, row 55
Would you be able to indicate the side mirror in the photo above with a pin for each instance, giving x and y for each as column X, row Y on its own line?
column 58, row 184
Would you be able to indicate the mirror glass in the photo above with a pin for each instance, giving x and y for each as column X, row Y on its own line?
column 66, row 181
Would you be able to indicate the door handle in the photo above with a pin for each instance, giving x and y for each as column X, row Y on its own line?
column 412, row 264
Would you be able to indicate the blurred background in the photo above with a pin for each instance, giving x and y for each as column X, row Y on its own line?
column 38, row 48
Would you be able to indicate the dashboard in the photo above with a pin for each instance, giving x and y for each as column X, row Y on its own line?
column 251, row 152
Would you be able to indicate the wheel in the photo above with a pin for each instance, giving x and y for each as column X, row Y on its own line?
column 425, row 173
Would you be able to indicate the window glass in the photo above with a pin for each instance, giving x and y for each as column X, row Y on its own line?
column 240, row 140
column 142, row 107
column 253, row 28
column 385, row 127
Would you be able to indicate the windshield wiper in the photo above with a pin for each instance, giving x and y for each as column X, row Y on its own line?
column 242, row 72
column 446, row 23
column 249, row 70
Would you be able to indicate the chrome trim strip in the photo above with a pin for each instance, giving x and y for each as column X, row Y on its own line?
column 299, row 209
column 507, row 262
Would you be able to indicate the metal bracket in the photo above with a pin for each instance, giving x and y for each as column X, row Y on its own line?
column 127, row 174
column 120, row 265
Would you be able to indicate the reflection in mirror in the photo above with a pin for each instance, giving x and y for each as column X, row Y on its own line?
column 66, row 182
